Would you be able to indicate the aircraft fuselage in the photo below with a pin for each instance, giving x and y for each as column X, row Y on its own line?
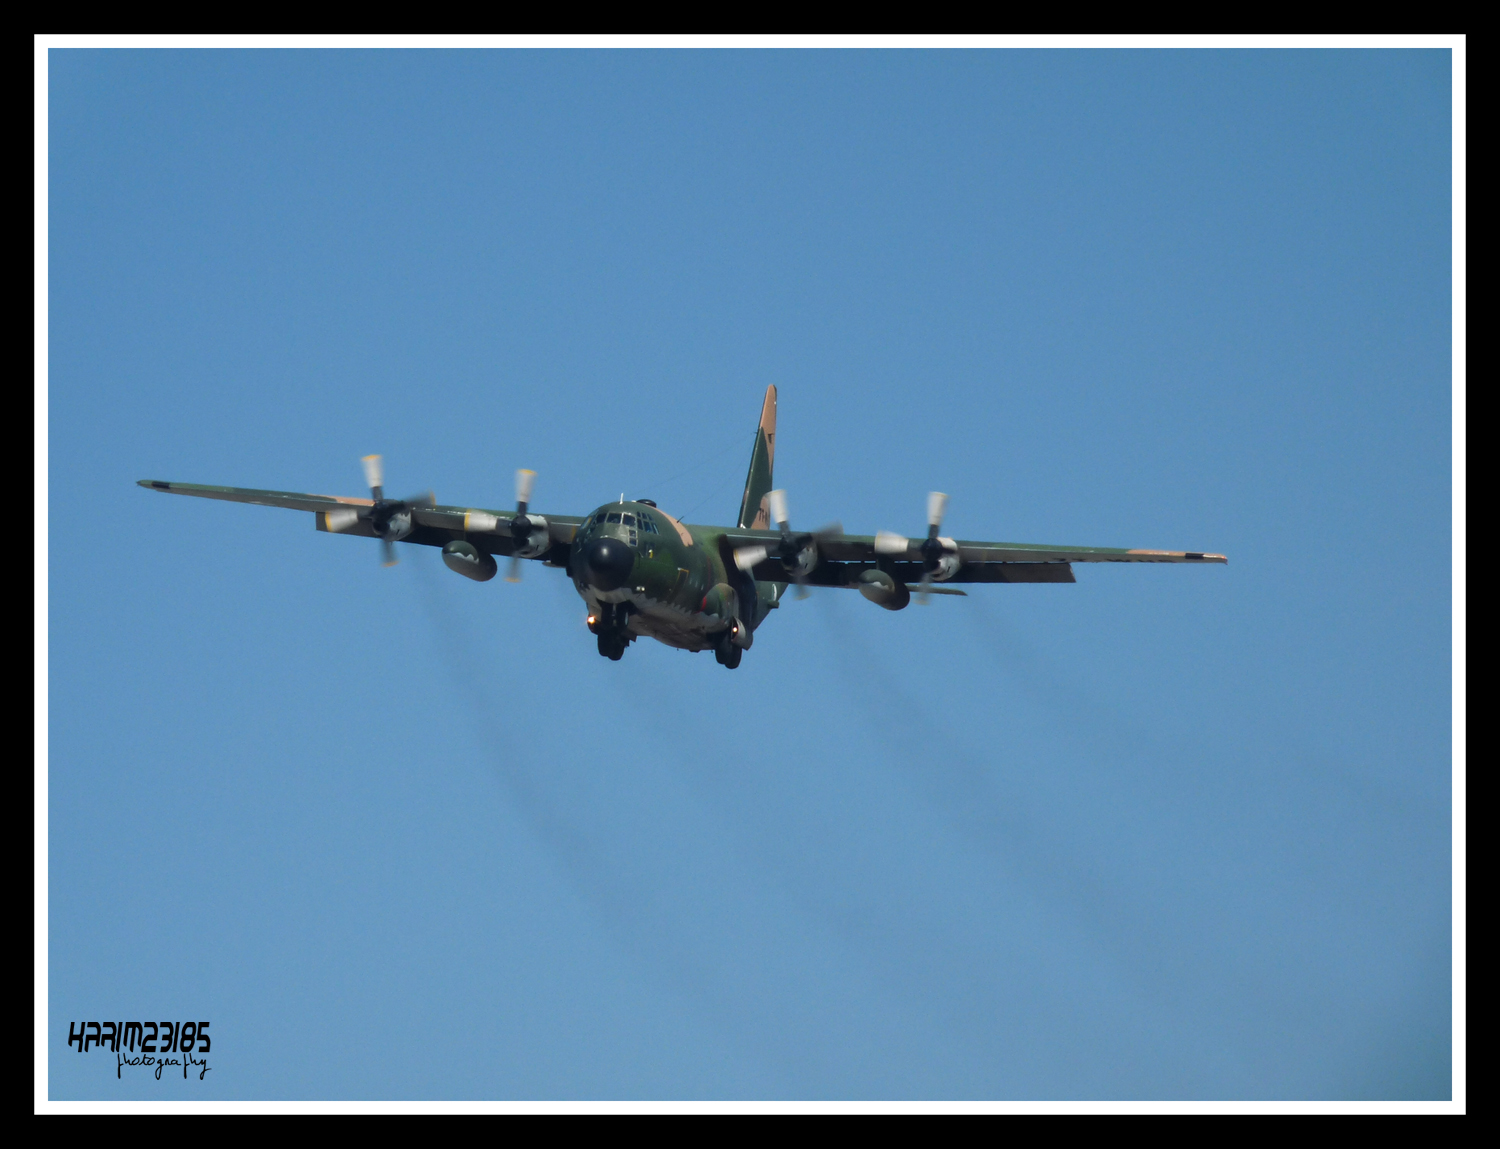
column 644, row 574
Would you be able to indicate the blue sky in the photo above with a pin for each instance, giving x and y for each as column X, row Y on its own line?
column 1167, row 833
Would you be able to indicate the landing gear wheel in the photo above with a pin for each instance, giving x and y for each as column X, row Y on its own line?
column 611, row 647
column 727, row 653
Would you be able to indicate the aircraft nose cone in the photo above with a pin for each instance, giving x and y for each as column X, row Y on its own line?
column 607, row 564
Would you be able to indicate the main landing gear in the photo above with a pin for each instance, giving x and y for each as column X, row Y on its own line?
column 726, row 653
column 610, row 625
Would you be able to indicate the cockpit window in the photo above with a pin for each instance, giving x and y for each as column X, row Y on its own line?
column 599, row 518
column 630, row 520
column 612, row 517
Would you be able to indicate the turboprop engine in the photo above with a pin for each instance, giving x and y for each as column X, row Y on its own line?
column 529, row 533
column 390, row 520
column 940, row 559
column 798, row 552
column 531, row 538
column 941, row 556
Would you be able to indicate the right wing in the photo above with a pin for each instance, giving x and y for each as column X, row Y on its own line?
column 433, row 526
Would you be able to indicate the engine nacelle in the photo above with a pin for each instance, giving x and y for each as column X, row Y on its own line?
column 468, row 560
column 947, row 562
column 397, row 527
column 533, row 543
column 883, row 590
column 537, row 541
column 803, row 562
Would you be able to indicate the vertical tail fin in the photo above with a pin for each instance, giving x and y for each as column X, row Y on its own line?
column 753, row 510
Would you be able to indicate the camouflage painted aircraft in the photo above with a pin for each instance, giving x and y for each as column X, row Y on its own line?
column 641, row 573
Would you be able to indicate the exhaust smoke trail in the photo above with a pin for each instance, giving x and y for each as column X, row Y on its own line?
column 611, row 882
column 997, row 817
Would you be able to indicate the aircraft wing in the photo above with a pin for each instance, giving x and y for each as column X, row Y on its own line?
column 842, row 556
column 432, row 526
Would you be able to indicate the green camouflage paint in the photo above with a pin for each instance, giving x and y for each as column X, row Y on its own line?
column 683, row 585
column 753, row 510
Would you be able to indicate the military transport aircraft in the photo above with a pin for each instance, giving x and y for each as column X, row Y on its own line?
column 640, row 572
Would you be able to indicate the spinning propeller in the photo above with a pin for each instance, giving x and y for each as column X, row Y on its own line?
column 390, row 519
column 798, row 552
column 939, row 556
column 522, row 528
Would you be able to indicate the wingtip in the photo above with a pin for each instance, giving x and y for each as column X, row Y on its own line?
column 1186, row 556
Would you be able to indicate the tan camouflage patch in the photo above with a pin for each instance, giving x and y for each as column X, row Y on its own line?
column 682, row 531
column 768, row 425
column 347, row 500
column 762, row 520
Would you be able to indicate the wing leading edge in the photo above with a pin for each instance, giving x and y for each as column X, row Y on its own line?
column 433, row 526
column 842, row 557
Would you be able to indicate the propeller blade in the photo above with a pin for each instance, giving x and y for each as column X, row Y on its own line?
column 802, row 592
column 890, row 543
column 525, row 481
column 388, row 553
column 924, row 590
column 513, row 571
column 747, row 557
column 425, row 499
column 374, row 472
column 776, row 503
column 937, row 506
column 341, row 520
column 829, row 531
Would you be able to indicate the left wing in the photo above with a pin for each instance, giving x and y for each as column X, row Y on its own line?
column 841, row 557
column 433, row 526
